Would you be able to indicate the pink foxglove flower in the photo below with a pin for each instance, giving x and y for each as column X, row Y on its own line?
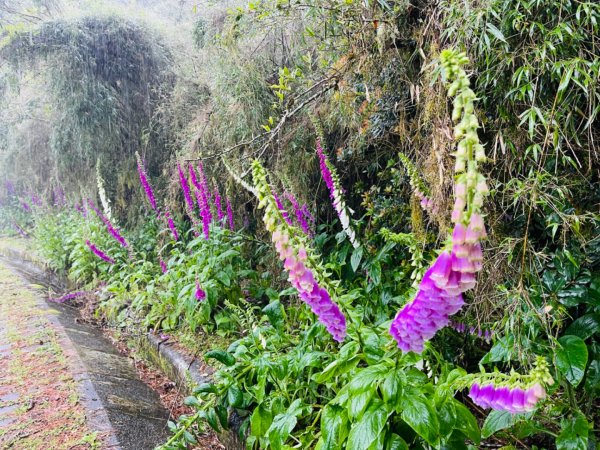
column 301, row 272
column 99, row 253
column 218, row 206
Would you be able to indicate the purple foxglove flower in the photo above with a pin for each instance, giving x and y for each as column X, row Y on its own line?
column 441, row 269
column 185, row 187
column 300, row 213
column 109, row 226
column 486, row 395
column 199, row 294
column 67, row 297
column 25, row 206
column 230, row 215
column 220, row 214
column 202, row 198
column 146, row 184
column 172, row 226
column 282, row 210
column 325, row 172
column 99, row 253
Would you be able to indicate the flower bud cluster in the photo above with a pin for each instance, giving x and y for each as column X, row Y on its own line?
column 417, row 184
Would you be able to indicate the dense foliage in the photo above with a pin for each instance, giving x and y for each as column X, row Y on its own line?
column 434, row 213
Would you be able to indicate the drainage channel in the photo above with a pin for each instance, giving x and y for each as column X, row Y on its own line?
column 111, row 389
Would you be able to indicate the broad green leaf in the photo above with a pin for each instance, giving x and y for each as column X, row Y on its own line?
column 585, row 326
column 356, row 258
column 498, row 420
column 391, row 388
column 573, row 433
column 192, row 401
column 283, row 424
column 364, row 432
column 261, row 420
column 420, row 415
column 221, row 356
column 334, row 427
column 466, row 422
column 501, row 351
column 571, row 358
column 358, row 402
column 275, row 313
column 495, row 31
column 235, row 397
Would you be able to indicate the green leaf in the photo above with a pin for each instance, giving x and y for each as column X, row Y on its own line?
column 391, row 388
column 356, row 258
column 466, row 422
column 498, row 420
column 585, row 326
column 571, row 358
column 235, row 397
column 221, row 356
column 420, row 415
column 283, row 424
column 573, row 434
column 192, row 401
column 369, row 427
column 501, row 351
column 334, row 427
column 213, row 420
column 275, row 313
column 495, row 31
column 261, row 420
column 358, row 402
column 224, row 278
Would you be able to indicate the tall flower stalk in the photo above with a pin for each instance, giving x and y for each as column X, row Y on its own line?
column 172, row 226
column 512, row 393
column 440, row 291
column 109, row 226
column 230, row 215
column 332, row 181
column 99, row 253
column 104, row 200
column 145, row 182
column 295, row 254
column 301, row 212
column 218, row 206
column 202, row 199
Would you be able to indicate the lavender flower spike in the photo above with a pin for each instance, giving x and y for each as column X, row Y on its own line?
column 99, row 253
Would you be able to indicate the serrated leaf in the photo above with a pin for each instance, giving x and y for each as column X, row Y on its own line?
column 573, row 434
